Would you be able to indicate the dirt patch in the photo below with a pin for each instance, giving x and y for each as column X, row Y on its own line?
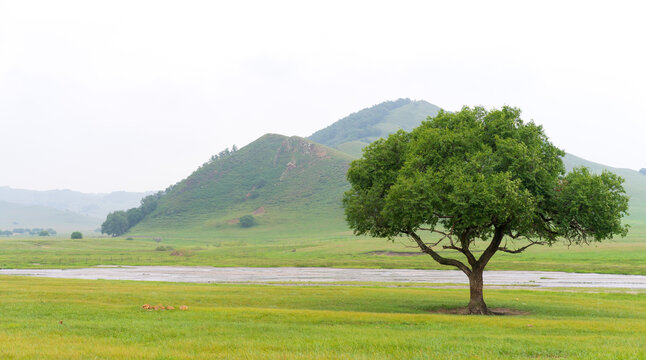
column 318, row 151
column 233, row 221
column 259, row 211
column 396, row 253
column 495, row 311
column 290, row 165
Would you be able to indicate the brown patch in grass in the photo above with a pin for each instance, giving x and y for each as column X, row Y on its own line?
column 233, row 221
column 182, row 252
column 495, row 311
column 259, row 211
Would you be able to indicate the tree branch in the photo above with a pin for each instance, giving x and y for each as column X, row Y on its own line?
column 465, row 242
column 437, row 257
column 499, row 233
column 521, row 249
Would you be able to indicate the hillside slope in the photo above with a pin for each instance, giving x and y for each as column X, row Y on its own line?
column 283, row 181
column 357, row 130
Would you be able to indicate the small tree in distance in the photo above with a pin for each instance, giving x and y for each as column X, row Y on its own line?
column 247, row 221
column 481, row 182
column 76, row 235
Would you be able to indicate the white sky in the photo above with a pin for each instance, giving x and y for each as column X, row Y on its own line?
column 130, row 95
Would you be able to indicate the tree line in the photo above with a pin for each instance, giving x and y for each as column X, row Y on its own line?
column 27, row 231
column 120, row 221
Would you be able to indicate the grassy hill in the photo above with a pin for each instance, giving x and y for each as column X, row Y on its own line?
column 293, row 186
column 14, row 216
column 286, row 183
column 357, row 130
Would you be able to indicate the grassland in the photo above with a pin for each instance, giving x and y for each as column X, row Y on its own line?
column 260, row 246
column 79, row 319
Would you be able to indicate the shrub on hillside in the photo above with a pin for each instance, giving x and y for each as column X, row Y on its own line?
column 247, row 221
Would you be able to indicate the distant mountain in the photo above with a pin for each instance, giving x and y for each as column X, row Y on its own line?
column 282, row 181
column 89, row 205
column 15, row 216
column 357, row 130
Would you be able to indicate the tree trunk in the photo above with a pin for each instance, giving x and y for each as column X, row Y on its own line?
column 476, row 305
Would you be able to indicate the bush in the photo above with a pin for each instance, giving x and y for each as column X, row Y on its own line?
column 76, row 235
column 163, row 248
column 247, row 221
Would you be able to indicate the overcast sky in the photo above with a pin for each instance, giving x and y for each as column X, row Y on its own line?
column 99, row 96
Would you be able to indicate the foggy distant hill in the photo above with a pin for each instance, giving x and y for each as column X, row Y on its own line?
column 18, row 216
column 90, row 205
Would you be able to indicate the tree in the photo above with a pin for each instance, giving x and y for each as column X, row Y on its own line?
column 43, row 233
column 247, row 221
column 76, row 235
column 115, row 224
column 477, row 182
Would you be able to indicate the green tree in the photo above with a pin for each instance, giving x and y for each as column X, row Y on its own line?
column 115, row 224
column 247, row 221
column 43, row 233
column 76, row 235
column 477, row 182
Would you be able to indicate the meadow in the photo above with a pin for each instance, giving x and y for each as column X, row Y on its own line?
column 80, row 319
column 264, row 246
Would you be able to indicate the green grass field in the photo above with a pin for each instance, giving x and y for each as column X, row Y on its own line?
column 80, row 319
column 255, row 247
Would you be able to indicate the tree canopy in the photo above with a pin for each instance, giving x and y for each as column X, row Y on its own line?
column 479, row 176
column 120, row 221
column 247, row 221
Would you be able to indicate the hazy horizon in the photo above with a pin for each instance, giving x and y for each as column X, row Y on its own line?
column 135, row 95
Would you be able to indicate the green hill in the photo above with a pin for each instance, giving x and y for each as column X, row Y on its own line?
column 357, row 130
column 293, row 186
column 284, row 182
